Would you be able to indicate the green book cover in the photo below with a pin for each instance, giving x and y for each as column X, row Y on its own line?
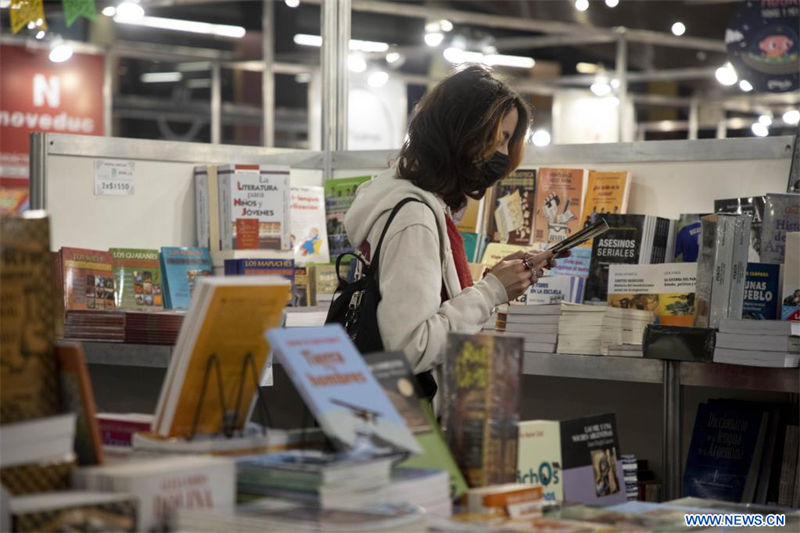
column 339, row 194
column 392, row 371
column 137, row 279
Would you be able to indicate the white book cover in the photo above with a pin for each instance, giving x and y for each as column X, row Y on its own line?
column 555, row 289
column 722, row 275
column 539, row 461
column 790, row 301
column 741, row 246
column 254, row 207
column 201, row 202
column 665, row 289
column 309, row 236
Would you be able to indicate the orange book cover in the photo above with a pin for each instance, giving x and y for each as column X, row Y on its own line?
column 88, row 279
column 606, row 193
column 558, row 204
column 77, row 396
column 228, row 320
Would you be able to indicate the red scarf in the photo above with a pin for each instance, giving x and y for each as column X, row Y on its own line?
column 459, row 256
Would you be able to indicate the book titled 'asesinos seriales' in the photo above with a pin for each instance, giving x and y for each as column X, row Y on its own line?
column 341, row 392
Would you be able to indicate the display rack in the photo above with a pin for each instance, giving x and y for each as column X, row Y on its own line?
column 669, row 177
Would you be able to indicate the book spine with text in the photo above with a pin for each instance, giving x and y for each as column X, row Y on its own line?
column 741, row 246
column 722, row 277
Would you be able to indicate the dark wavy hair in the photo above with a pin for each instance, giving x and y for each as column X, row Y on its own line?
column 454, row 131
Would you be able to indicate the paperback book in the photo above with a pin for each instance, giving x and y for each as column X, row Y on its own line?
column 573, row 460
column 513, row 212
column 555, row 289
column 181, row 267
column 261, row 267
column 207, row 207
column 28, row 369
column 339, row 195
column 753, row 206
column 223, row 333
column 666, row 289
column 482, row 405
column 137, row 279
column 309, row 235
column 761, row 291
column 341, row 392
column 254, row 207
column 606, row 194
column 687, row 238
column 558, row 204
column 631, row 239
column 790, row 303
column 88, row 279
column 781, row 215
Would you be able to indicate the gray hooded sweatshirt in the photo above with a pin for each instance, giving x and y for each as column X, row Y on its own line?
column 416, row 262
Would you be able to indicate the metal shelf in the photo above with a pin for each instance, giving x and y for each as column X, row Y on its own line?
column 740, row 377
column 117, row 353
column 610, row 368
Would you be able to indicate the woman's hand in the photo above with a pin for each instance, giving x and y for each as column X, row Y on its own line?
column 514, row 275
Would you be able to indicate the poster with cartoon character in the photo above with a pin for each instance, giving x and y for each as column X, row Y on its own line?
column 558, row 204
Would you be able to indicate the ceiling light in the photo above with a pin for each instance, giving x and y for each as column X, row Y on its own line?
column 612, row 3
column 198, row 83
column 303, row 77
column 191, row 26
column 765, row 120
column 759, row 129
column 392, row 57
column 726, row 74
column 432, row 27
column 129, row 12
column 161, row 77
column 445, row 25
column 40, row 34
column 746, row 86
column 540, row 137
column 581, row 5
column 60, row 52
column 508, row 61
column 434, row 39
column 356, row 63
column 586, row 68
column 615, row 83
column 109, row 11
column 378, row 79
column 679, row 28
column 600, row 88
column 792, row 117
column 292, row 3
column 356, row 45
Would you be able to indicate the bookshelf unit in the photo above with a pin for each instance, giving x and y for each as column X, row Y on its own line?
column 669, row 177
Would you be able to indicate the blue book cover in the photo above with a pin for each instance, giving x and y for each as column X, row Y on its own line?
column 575, row 265
column 339, row 389
column 761, row 291
column 723, row 450
column 261, row 267
column 181, row 266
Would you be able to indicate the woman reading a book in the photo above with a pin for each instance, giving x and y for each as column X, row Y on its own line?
column 467, row 133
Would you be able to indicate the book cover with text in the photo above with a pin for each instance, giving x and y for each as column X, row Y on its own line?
column 557, row 205
column 762, row 291
column 781, row 215
column 513, row 212
column 181, row 266
column 339, row 195
column 665, row 289
column 137, row 279
column 606, row 193
column 88, row 279
column 309, row 234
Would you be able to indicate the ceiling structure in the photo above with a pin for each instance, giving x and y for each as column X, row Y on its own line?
column 663, row 79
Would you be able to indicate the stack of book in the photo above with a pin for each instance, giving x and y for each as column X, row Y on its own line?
column 768, row 343
column 623, row 329
column 152, row 328
column 305, row 317
column 106, row 326
column 536, row 324
column 629, row 469
column 580, row 329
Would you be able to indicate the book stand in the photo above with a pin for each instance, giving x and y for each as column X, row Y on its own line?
column 229, row 416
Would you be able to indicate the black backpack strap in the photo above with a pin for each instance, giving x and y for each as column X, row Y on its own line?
column 376, row 255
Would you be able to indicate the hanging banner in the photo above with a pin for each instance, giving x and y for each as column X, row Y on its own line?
column 25, row 11
column 79, row 8
column 762, row 41
column 39, row 95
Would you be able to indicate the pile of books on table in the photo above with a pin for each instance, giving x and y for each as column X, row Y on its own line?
column 769, row 343
column 536, row 324
column 580, row 329
column 623, row 329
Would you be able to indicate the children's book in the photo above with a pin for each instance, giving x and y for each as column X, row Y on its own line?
column 309, row 234
column 181, row 266
column 137, row 279
column 220, row 348
column 559, row 195
column 254, row 207
column 341, row 392
column 88, row 279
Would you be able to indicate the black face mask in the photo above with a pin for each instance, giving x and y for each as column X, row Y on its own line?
column 494, row 169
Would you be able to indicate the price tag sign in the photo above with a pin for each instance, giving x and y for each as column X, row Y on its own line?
column 114, row 177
